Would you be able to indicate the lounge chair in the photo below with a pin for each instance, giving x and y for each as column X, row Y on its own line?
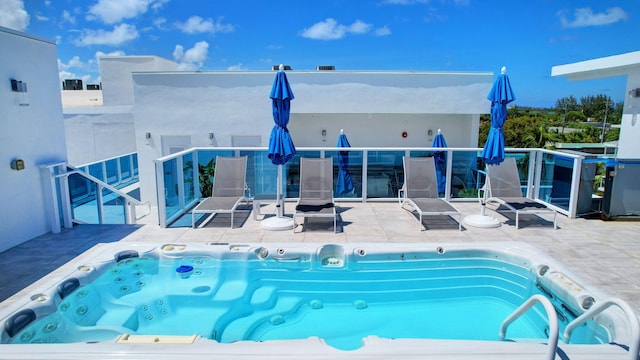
column 316, row 190
column 229, row 182
column 420, row 189
column 503, row 186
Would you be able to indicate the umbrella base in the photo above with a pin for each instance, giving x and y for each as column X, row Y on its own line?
column 482, row 221
column 277, row 223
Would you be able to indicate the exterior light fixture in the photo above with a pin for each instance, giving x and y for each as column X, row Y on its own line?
column 324, row 134
column 17, row 164
column 20, row 88
column 211, row 138
column 147, row 138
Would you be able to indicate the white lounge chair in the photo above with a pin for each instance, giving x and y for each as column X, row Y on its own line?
column 420, row 189
column 316, row 190
column 503, row 186
column 229, row 182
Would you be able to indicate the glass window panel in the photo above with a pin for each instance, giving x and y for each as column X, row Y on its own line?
column 125, row 168
column 112, row 171
column 134, row 158
column 95, row 170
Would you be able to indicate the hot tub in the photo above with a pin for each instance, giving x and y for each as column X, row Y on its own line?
column 259, row 300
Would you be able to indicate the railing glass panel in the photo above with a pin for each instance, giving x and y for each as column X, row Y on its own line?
column 113, row 208
column 170, row 171
column 385, row 173
column 555, row 182
column 353, row 160
column 84, row 207
column 189, row 181
column 466, row 174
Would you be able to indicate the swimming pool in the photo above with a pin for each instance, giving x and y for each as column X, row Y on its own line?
column 336, row 300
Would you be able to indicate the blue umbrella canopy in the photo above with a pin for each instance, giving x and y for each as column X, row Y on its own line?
column 281, row 148
column 344, row 184
column 500, row 95
column 440, row 161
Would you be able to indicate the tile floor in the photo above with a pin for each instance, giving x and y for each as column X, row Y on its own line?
column 605, row 254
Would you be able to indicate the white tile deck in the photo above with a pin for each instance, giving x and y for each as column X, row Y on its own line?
column 606, row 254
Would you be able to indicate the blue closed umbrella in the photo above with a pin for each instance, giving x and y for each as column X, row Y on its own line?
column 281, row 148
column 440, row 161
column 493, row 152
column 344, row 184
column 500, row 95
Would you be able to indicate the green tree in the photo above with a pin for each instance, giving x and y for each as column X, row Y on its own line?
column 566, row 104
column 575, row 116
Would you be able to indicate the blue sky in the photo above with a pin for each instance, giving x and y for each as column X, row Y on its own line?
column 528, row 37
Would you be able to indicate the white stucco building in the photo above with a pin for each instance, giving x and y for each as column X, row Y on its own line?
column 145, row 95
column 31, row 130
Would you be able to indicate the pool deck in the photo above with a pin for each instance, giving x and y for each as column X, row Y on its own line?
column 604, row 253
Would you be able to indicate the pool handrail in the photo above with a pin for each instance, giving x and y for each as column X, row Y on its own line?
column 552, row 318
column 600, row 306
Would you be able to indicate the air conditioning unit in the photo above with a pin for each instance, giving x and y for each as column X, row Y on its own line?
column 325, row 68
column 277, row 67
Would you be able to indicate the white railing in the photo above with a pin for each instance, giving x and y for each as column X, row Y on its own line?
column 60, row 197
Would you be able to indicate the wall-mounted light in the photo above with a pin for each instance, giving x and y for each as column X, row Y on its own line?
column 17, row 164
column 147, row 138
column 211, row 138
column 20, row 88
column 634, row 93
column 430, row 132
column 324, row 134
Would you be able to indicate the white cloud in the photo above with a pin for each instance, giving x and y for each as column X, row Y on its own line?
column 66, row 16
column 198, row 25
column 237, row 67
column 193, row 58
column 331, row 30
column 120, row 34
column 586, row 17
column 113, row 11
column 13, row 15
column 383, row 31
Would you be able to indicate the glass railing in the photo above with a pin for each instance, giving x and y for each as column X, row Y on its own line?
column 377, row 173
column 92, row 203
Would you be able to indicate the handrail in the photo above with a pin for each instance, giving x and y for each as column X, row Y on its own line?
column 129, row 198
column 551, row 316
column 597, row 308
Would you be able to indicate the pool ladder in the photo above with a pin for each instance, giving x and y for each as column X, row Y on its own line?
column 597, row 308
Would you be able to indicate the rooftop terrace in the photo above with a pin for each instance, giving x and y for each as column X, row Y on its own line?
column 605, row 254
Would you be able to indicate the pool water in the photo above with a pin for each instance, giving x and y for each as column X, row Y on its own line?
column 296, row 295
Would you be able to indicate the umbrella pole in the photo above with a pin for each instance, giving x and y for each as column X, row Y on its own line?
column 278, row 222
column 280, row 200
column 483, row 220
